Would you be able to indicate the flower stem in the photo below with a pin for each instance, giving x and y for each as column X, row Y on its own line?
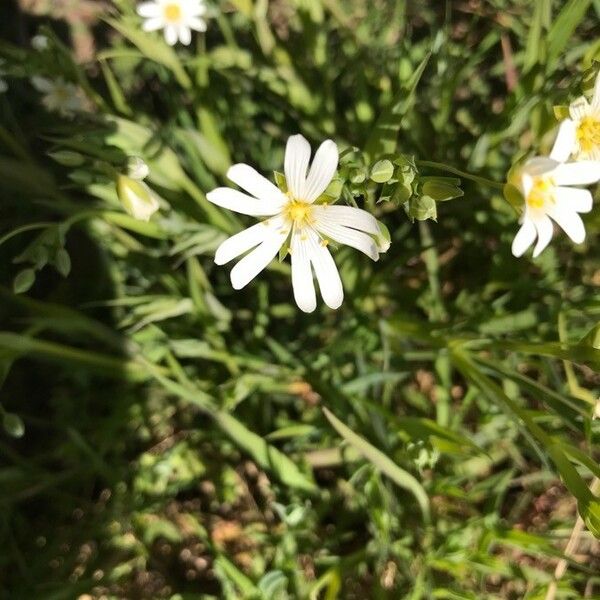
column 476, row 178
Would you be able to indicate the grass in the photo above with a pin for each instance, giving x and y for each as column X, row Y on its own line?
column 169, row 437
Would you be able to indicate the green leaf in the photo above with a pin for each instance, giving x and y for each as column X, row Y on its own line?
column 153, row 47
column 266, row 456
column 384, row 137
column 571, row 15
column 382, row 463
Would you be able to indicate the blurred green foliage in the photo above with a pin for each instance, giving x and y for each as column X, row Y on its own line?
column 169, row 437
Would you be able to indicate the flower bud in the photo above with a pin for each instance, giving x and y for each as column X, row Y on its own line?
column 136, row 197
column 40, row 42
column 137, row 168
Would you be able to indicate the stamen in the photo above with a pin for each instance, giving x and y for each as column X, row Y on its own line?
column 541, row 193
column 588, row 134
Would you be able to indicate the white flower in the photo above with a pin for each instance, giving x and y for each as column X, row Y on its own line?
column 582, row 131
column 39, row 42
column 295, row 214
column 176, row 17
column 59, row 95
column 544, row 183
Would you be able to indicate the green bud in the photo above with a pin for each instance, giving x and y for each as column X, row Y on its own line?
column 23, row 281
column 67, row 158
column 382, row 171
column 137, row 198
column 13, row 425
column 423, row 208
column 402, row 193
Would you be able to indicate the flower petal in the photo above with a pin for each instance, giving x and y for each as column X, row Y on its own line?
column 241, row 242
column 302, row 278
column 185, row 35
column 41, row 84
column 544, row 231
column 580, row 201
column 322, row 170
column 241, row 203
column 149, row 10
column 579, row 108
column 569, row 221
column 254, row 183
column 326, row 271
column 153, row 24
column 596, row 97
column 350, row 237
column 347, row 216
column 524, row 238
column 252, row 264
column 582, row 172
column 171, row 34
column 196, row 24
column 297, row 157
column 565, row 141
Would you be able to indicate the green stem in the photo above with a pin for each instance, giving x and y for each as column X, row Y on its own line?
column 463, row 174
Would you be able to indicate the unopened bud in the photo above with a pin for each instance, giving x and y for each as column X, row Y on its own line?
column 137, row 168
column 136, row 197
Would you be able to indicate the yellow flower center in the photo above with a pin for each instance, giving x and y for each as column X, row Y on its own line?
column 172, row 12
column 542, row 192
column 300, row 213
column 588, row 133
column 62, row 93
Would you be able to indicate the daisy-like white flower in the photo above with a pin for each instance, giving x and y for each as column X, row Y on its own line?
column 176, row 17
column 59, row 95
column 582, row 133
column 545, row 183
column 295, row 216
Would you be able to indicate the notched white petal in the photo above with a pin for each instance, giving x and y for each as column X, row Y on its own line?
column 302, row 278
column 322, row 170
column 544, row 232
column 524, row 238
column 255, row 184
column 564, row 144
column 297, row 157
column 583, row 172
column 241, row 203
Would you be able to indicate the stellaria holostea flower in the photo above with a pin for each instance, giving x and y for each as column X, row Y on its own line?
column 296, row 218
column 545, row 183
column 176, row 18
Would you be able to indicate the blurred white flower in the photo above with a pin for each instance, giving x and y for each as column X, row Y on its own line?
column 39, row 42
column 544, row 183
column 295, row 214
column 581, row 132
column 176, row 17
column 59, row 95
column 137, row 198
